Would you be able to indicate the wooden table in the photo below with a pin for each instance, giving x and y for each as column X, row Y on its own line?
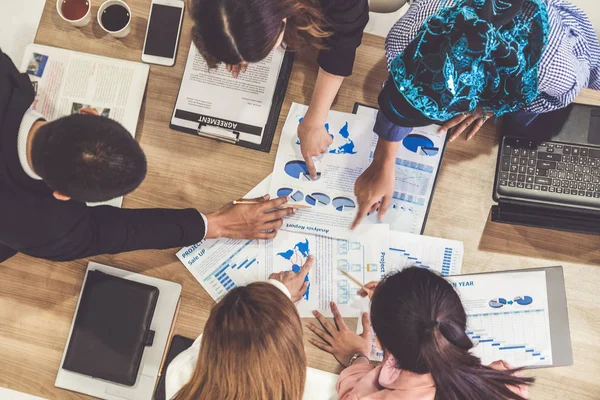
column 38, row 298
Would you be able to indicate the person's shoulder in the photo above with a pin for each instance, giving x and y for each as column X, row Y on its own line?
column 180, row 370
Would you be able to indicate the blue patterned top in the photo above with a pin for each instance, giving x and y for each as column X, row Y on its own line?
column 569, row 62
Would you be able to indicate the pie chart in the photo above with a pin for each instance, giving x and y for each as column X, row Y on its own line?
column 284, row 192
column 318, row 199
column 296, row 168
column 498, row 302
column 343, row 204
column 420, row 144
column 523, row 300
column 298, row 196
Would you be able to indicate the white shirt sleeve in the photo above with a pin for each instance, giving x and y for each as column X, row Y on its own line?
column 281, row 287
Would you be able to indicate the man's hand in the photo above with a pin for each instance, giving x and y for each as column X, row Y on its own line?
column 473, row 120
column 377, row 182
column 248, row 221
column 314, row 141
column 339, row 340
column 295, row 282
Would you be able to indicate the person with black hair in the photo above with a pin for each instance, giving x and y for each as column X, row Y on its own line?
column 50, row 169
column 420, row 324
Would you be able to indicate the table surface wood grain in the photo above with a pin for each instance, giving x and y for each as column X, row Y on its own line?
column 38, row 297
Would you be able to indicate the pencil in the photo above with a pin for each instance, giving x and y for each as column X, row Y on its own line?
column 243, row 201
column 353, row 279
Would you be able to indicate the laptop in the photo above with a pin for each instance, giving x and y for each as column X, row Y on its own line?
column 548, row 171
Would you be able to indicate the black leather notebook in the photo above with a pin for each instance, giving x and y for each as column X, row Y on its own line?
column 112, row 328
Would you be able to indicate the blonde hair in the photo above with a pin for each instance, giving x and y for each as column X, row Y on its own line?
column 251, row 349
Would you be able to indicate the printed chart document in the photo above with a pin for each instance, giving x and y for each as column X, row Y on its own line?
column 222, row 264
column 406, row 250
column 331, row 196
column 360, row 256
column 68, row 82
column 213, row 102
column 508, row 316
column 417, row 164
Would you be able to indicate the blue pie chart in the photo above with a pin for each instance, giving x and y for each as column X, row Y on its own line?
column 420, row 144
column 284, row 192
column 343, row 204
column 296, row 168
column 321, row 198
column 497, row 302
column 523, row 300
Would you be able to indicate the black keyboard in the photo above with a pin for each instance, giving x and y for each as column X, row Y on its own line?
column 549, row 171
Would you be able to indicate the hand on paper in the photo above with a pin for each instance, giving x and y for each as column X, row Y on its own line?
column 377, row 182
column 295, row 282
column 248, row 221
column 368, row 289
column 338, row 340
column 461, row 122
column 314, row 141
column 236, row 69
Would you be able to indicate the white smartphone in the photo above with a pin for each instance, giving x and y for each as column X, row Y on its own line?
column 162, row 33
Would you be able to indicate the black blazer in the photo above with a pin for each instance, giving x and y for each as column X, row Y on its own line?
column 33, row 222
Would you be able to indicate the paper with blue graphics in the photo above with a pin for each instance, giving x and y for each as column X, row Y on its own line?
column 223, row 264
column 417, row 162
column 443, row 256
column 331, row 196
column 360, row 255
column 507, row 316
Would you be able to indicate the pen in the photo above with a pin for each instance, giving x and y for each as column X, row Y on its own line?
column 353, row 279
column 243, row 201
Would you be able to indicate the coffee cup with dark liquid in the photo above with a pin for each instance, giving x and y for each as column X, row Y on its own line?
column 75, row 12
column 114, row 16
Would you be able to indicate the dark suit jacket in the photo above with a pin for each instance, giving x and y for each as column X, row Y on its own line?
column 33, row 222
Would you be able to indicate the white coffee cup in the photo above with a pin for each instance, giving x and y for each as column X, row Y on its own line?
column 120, row 33
column 83, row 21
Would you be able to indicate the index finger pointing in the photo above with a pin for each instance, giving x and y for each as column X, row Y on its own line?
column 312, row 171
column 306, row 267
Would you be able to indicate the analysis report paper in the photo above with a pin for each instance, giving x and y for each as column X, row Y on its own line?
column 216, row 103
column 417, row 163
column 361, row 256
column 331, row 196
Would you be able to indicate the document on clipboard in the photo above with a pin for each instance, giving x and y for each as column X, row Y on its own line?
column 242, row 110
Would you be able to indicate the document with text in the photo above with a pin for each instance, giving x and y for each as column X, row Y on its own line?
column 213, row 102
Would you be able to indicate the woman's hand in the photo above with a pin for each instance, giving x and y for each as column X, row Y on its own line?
column 377, row 182
column 473, row 120
column 236, row 69
column 368, row 289
column 341, row 341
column 295, row 282
column 314, row 141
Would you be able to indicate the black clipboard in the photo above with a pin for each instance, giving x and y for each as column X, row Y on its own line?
column 437, row 173
column 271, row 125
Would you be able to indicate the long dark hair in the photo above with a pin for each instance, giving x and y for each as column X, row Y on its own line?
column 232, row 31
column 419, row 318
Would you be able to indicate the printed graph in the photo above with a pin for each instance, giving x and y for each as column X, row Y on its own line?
column 510, row 336
column 238, row 270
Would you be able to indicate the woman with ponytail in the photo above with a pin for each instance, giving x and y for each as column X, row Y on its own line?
column 420, row 324
column 238, row 32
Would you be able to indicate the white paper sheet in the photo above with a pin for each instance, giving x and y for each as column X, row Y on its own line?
column 332, row 195
column 361, row 256
column 406, row 250
column 222, row 264
column 19, row 22
column 507, row 316
column 417, row 162
column 223, row 103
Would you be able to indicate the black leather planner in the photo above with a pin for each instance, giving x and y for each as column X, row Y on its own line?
column 112, row 328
